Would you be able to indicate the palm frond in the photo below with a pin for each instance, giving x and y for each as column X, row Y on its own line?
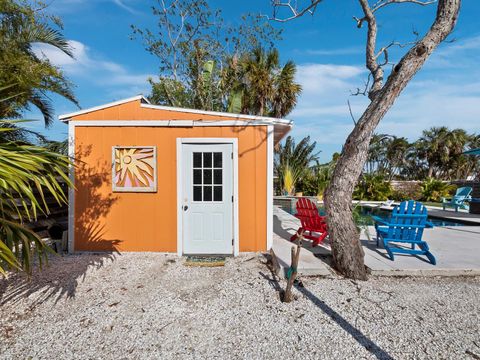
column 42, row 103
column 27, row 174
column 42, row 33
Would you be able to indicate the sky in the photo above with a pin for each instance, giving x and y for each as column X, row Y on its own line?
column 327, row 48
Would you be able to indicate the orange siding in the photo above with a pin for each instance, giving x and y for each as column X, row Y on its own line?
column 133, row 111
column 105, row 220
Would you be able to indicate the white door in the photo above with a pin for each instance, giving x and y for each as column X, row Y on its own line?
column 207, row 198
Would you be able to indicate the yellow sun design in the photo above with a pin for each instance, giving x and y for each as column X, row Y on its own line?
column 134, row 167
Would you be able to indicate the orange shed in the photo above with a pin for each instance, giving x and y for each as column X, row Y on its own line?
column 157, row 178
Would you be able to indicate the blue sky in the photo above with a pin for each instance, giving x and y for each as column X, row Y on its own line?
column 327, row 48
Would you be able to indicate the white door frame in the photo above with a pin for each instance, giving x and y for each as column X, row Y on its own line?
column 180, row 212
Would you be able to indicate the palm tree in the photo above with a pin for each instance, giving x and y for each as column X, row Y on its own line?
column 292, row 162
column 33, row 77
column 377, row 153
column 441, row 148
column 472, row 165
column 286, row 91
column 27, row 172
column 397, row 149
column 432, row 147
column 456, row 141
column 268, row 88
column 259, row 71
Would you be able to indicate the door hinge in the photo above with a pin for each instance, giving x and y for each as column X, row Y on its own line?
column 231, row 154
column 232, row 242
column 232, row 198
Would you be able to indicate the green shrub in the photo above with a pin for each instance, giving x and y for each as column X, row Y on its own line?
column 373, row 188
column 406, row 194
column 307, row 184
column 433, row 190
column 315, row 180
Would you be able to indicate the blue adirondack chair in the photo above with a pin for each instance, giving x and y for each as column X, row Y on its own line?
column 405, row 227
column 459, row 200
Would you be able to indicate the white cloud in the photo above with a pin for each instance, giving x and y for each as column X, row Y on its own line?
column 124, row 6
column 461, row 53
column 86, row 66
column 417, row 111
column 352, row 50
column 434, row 98
column 70, row 6
column 325, row 89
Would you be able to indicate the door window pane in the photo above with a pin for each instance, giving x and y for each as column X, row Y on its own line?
column 197, row 193
column 207, row 193
column 207, row 160
column 197, row 176
column 197, row 160
column 217, row 159
column 207, row 176
column 217, row 193
column 217, row 176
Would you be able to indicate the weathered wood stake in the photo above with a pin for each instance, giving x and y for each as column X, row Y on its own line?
column 292, row 272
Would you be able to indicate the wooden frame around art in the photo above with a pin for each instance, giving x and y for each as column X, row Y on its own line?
column 152, row 188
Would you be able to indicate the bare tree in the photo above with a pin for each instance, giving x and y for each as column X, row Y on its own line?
column 347, row 251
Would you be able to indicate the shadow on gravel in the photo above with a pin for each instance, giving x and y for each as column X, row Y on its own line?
column 58, row 279
column 63, row 273
column 368, row 344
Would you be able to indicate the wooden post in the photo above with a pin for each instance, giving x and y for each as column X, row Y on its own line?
column 292, row 272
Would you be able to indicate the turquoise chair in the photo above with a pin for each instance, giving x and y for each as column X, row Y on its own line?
column 459, row 200
column 403, row 232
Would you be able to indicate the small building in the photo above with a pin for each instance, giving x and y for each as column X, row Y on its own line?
column 157, row 178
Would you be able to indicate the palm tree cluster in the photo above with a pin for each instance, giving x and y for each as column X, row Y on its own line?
column 31, row 167
column 436, row 154
column 252, row 83
column 205, row 63
column 295, row 165
column 259, row 85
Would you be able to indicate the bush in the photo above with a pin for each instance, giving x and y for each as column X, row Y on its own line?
column 434, row 190
column 307, row 184
column 315, row 180
column 373, row 187
column 406, row 194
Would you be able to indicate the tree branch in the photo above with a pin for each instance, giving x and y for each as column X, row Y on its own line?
column 370, row 55
column 351, row 113
column 296, row 12
column 382, row 3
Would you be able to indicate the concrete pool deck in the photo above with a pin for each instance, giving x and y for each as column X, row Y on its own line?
column 457, row 250
column 439, row 213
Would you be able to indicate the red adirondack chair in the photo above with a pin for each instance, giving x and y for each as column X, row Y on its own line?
column 314, row 226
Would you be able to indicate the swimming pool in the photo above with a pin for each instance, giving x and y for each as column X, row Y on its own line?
column 363, row 216
column 368, row 211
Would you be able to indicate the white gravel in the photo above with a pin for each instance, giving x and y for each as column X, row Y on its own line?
column 150, row 306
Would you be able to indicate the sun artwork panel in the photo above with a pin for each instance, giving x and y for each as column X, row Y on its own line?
column 134, row 169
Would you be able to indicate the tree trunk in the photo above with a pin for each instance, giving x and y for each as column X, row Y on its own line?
column 430, row 171
column 348, row 255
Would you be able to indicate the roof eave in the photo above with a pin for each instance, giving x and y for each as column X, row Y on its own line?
column 67, row 117
column 281, row 126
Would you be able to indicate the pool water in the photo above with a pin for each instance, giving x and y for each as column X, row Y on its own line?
column 363, row 216
column 367, row 212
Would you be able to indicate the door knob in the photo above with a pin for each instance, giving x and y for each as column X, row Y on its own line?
column 185, row 208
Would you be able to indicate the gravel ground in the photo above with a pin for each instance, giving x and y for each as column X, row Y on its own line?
column 141, row 306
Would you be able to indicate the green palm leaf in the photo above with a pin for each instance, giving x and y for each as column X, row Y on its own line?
column 27, row 173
